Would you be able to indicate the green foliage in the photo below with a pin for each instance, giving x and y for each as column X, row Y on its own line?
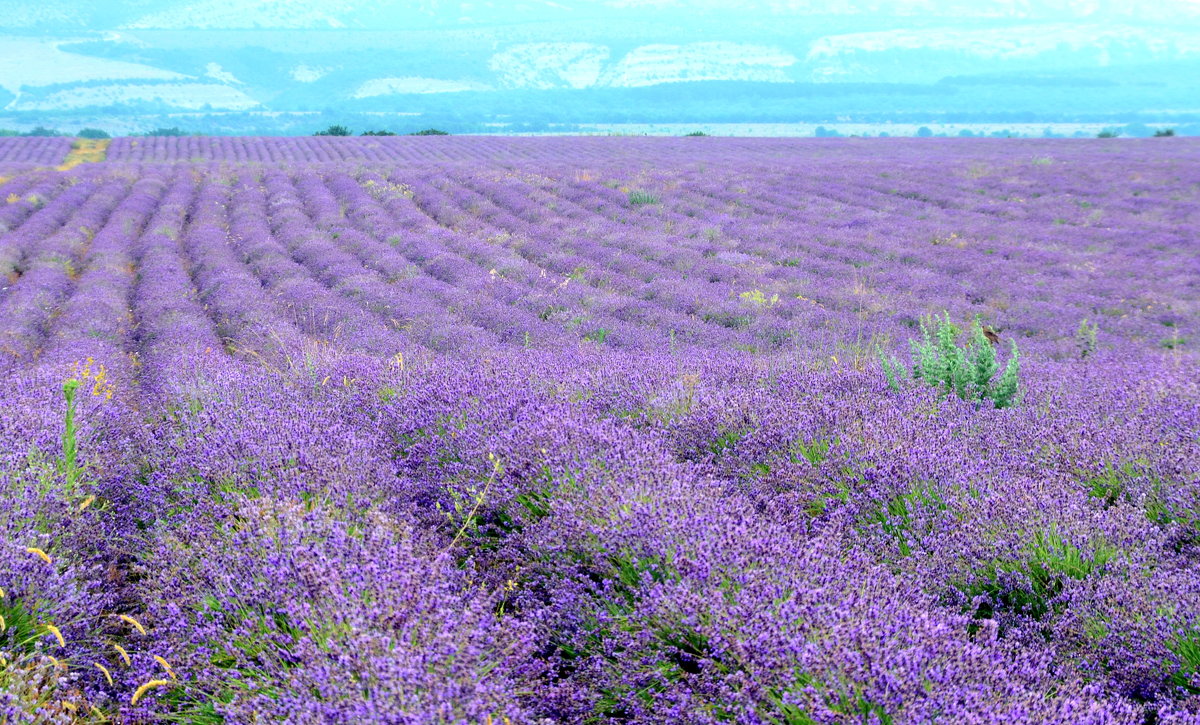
column 1048, row 562
column 893, row 370
column 172, row 131
column 727, row 319
column 727, row 439
column 641, row 198
column 786, row 713
column 69, row 465
column 695, row 133
column 430, row 132
column 92, row 133
column 1085, row 338
column 1111, row 484
column 758, row 299
column 1006, row 390
column 600, row 334
column 967, row 370
column 1186, row 648
column 898, row 517
column 335, row 130
column 1108, row 133
column 42, row 131
column 815, row 451
column 378, row 133
column 22, row 630
column 1170, row 343
column 1164, row 133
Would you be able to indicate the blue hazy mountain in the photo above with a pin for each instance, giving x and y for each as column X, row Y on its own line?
column 538, row 62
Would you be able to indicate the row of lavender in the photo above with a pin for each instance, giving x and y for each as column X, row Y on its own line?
column 591, row 149
column 20, row 155
column 436, row 149
column 581, row 440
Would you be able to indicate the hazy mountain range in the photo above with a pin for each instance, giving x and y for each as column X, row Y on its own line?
column 481, row 62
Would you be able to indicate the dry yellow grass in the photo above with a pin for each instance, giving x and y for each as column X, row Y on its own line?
column 85, row 151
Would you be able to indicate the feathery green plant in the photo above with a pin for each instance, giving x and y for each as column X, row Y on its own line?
column 638, row 197
column 70, row 443
column 967, row 370
column 1085, row 338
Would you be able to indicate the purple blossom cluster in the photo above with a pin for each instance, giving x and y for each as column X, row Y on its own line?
column 485, row 430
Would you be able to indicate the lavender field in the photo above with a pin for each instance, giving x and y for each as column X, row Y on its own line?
column 601, row 430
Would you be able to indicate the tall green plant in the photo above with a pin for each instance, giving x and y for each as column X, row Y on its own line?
column 1085, row 338
column 69, row 463
column 965, row 370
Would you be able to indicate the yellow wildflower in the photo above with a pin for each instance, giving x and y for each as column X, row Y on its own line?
column 57, row 634
column 38, row 552
column 136, row 624
column 148, row 686
column 121, row 651
column 107, row 674
column 165, row 666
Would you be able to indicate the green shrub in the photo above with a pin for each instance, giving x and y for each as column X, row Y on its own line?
column 1085, row 338
column 1164, row 132
column 378, row 133
column 41, row 131
column 967, row 370
column 172, row 131
column 1108, row 133
column 92, row 133
column 695, row 133
column 758, row 299
column 335, row 130
column 600, row 334
column 430, row 132
column 641, row 198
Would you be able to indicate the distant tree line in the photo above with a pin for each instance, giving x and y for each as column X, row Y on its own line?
column 340, row 130
column 1134, row 130
column 92, row 132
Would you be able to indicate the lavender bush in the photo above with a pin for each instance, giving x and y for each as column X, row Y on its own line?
column 487, row 430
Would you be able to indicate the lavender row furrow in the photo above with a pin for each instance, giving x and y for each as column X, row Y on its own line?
column 54, row 264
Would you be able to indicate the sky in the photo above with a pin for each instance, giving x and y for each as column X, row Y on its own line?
column 66, row 62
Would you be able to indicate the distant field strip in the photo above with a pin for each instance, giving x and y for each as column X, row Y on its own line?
column 85, row 151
